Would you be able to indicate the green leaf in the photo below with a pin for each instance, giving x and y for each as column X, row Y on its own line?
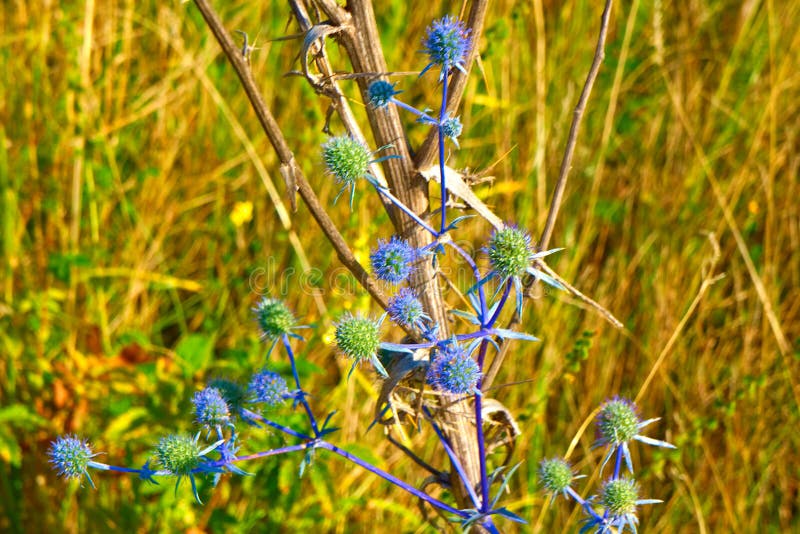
column 22, row 416
column 195, row 350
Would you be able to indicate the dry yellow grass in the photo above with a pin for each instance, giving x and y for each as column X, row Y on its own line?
column 126, row 144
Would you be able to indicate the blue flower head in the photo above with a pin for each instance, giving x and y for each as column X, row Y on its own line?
column 510, row 252
column 274, row 318
column 210, row 409
column 182, row 456
column 447, row 45
column 347, row 160
column 620, row 498
column 405, row 308
column 232, row 393
column 179, row 454
column 268, row 388
column 71, row 457
column 393, row 260
column 556, row 476
column 453, row 370
column 451, row 127
column 380, row 93
column 618, row 423
column 359, row 338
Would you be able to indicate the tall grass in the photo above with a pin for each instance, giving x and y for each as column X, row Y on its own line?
column 126, row 145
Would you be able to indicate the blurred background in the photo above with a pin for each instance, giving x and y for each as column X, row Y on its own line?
column 139, row 225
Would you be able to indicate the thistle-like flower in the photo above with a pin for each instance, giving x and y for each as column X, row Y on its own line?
column 510, row 256
column 447, row 45
column 348, row 160
column 72, row 457
column 358, row 338
column 617, row 424
column 274, row 318
column 405, row 308
column 392, row 261
column 620, row 498
column 182, row 456
column 268, row 388
column 556, row 476
column 453, row 370
column 211, row 411
column 510, row 252
column 381, row 93
column 451, row 127
column 232, row 393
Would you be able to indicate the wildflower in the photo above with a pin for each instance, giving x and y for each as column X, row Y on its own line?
column 274, row 318
column 182, row 456
column 510, row 252
column 453, row 370
column 451, row 127
column 510, row 255
column 359, row 339
column 620, row 498
column 381, row 93
column 556, row 476
column 72, row 457
column 393, row 261
column 617, row 424
column 232, row 393
column 447, row 45
column 405, row 308
column 268, row 388
column 242, row 213
column 348, row 160
column 210, row 409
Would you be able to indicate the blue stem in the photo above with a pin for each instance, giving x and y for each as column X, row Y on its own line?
column 618, row 461
column 106, row 467
column 453, row 459
column 476, row 272
column 391, row 478
column 258, row 455
column 460, row 337
column 479, row 429
column 247, row 414
column 421, row 114
column 443, row 188
column 303, row 400
column 584, row 503
column 405, row 209
column 503, row 299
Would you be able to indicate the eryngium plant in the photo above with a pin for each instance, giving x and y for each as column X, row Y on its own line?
column 453, row 364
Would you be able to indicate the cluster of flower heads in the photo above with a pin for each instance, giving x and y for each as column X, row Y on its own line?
column 616, row 503
column 217, row 407
column 452, row 369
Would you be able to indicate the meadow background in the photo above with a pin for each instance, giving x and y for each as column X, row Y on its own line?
column 137, row 210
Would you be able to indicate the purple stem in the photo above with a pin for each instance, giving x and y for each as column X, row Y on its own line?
column 453, row 459
column 503, row 299
column 421, row 114
column 247, row 414
column 106, row 467
column 477, row 274
column 479, row 430
column 584, row 503
column 391, row 478
column 396, row 201
column 257, row 455
column 443, row 188
column 618, row 462
column 460, row 337
column 310, row 414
